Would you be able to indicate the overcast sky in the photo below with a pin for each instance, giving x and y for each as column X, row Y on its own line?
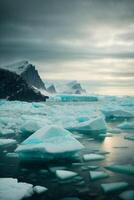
column 70, row 39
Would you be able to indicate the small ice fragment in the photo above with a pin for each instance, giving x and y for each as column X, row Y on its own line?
column 11, row 189
column 114, row 130
column 110, row 187
column 127, row 195
column 129, row 137
column 65, row 174
column 12, row 155
column 54, row 169
column 98, row 175
column 126, row 125
column 90, row 157
column 30, row 127
column 126, row 169
column 7, row 142
column 93, row 167
column 39, row 189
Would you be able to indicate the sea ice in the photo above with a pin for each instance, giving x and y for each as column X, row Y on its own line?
column 30, row 127
column 90, row 157
column 98, row 175
column 5, row 131
column 110, row 187
column 11, row 189
column 95, row 124
column 39, row 189
column 82, row 119
column 126, row 169
column 7, row 142
column 126, row 125
column 65, row 174
column 48, row 143
column 117, row 114
column 127, row 195
column 129, row 137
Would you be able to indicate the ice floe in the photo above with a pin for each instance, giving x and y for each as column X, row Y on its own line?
column 30, row 127
column 11, row 189
column 95, row 124
column 49, row 143
column 117, row 114
column 126, row 125
column 90, row 157
column 65, row 174
column 95, row 175
column 127, row 195
column 110, row 187
column 39, row 189
column 126, row 169
column 7, row 142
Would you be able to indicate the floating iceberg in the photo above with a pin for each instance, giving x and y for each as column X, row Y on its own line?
column 65, row 174
column 39, row 189
column 126, row 125
column 127, row 195
column 117, row 114
column 93, row 125
column 74, row 98
column 11, row 189
column 49, row 143
column 110, row 187
column 126, row 169
column 7, row 142
column 92, row 156
column 95, row 175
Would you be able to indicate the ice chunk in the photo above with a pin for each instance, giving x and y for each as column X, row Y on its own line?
column 92, row 156
column 114, row 130
column 98, row 175
column 126, row 125
column 95, row 124
column 65, row 174
column 49, row 143
column 5, row 131
column 30, row 127
column 11, row 189
column 129, row 137
column 39, row 189
column 117, row 114
column 82, row 119
column 7, row 142
column 127, row 169
column 127, row 195
column 110, row 187
column 93, row 167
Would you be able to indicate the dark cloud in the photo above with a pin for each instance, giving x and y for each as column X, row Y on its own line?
column 59, row 31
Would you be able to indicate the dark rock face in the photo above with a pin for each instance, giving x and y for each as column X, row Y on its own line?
column 14, row 87
column 51, row 89
column 31, row 76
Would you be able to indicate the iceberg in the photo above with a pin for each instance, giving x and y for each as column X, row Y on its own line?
column 117, row 114
column 93, row 125
column 92, row 156
column 74, row 98
column 49, row 142
column 126, row 169
column 126, row 125
column 95, row 175
column 11, row 189
column 110, row 187
column 127, row 195
column 65, row 174
column 39, row 189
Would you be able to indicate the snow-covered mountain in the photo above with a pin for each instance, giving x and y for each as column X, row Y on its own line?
column 19, row 82
column 28, row 72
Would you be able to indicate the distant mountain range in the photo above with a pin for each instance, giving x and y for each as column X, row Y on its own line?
column 21, row 81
